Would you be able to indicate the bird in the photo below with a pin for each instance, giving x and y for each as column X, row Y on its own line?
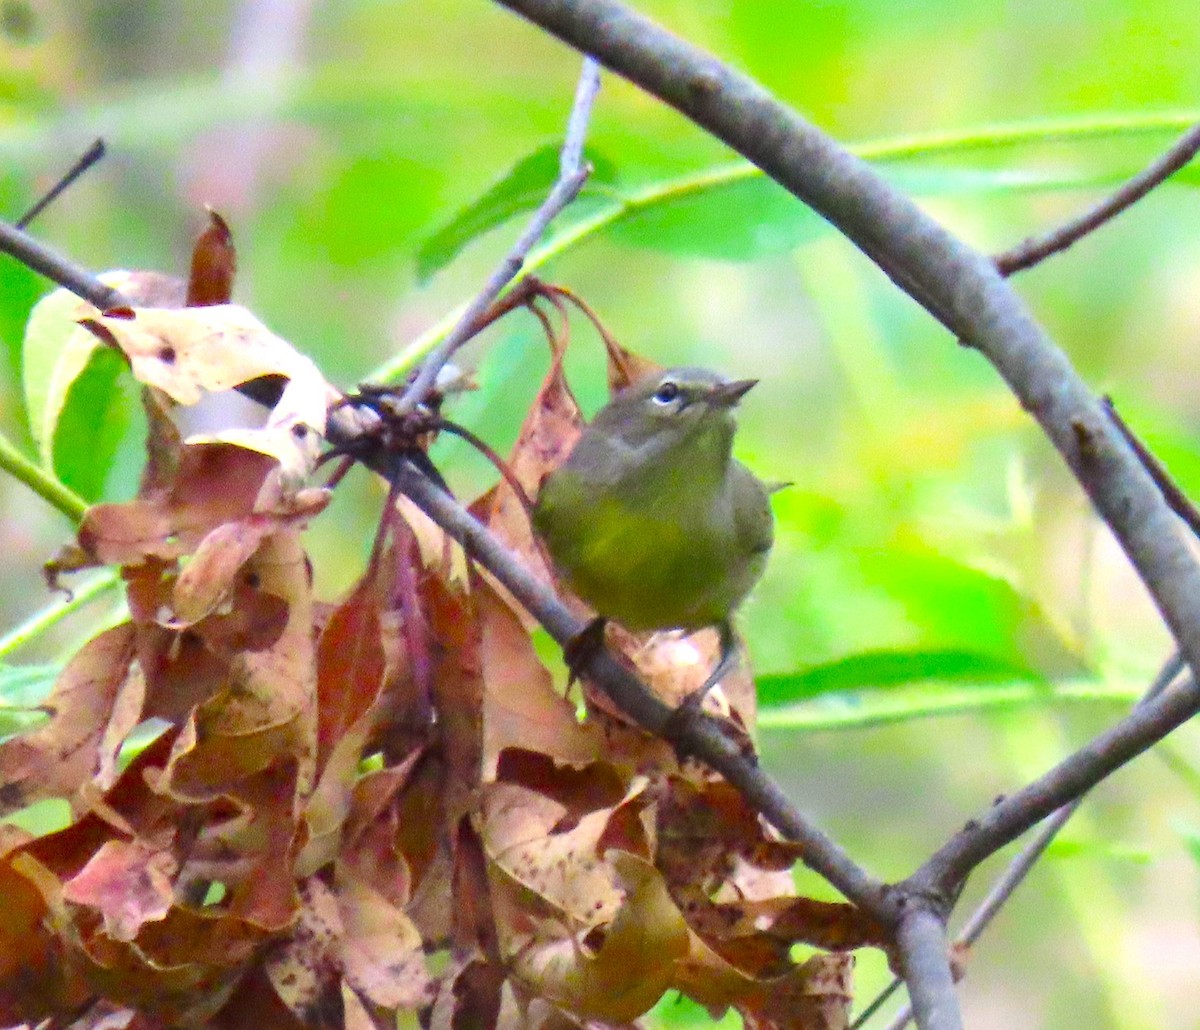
column 651, row 521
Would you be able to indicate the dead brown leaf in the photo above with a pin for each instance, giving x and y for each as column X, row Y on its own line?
column 214, row 264
column 128, row 883
column 58, row 757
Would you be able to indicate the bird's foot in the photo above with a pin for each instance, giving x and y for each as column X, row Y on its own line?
column 725, row 662
column 583, row 647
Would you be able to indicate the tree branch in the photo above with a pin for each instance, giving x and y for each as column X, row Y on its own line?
column 1021, row 865
column 85, row 161
column 1036, row 249
column 1147, row 724
column 921, row 941
column 572, row 175
column 965, row 291
column 36, row 255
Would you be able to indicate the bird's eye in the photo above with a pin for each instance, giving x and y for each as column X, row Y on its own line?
column 666, row 393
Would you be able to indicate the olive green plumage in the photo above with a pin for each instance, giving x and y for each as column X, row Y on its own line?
column 650, row 520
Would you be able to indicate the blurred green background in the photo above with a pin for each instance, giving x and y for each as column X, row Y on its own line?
column 943, row 616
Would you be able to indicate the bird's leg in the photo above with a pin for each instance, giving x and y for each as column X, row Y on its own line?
column 726, row 660
column 582, row 647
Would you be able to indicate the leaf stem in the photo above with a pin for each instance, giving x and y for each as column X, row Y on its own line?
column 55, row 612
column 40, row 481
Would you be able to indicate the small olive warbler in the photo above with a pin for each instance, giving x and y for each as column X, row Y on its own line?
column 650, row 520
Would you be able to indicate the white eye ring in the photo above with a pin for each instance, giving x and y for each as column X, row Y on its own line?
column 666, row 393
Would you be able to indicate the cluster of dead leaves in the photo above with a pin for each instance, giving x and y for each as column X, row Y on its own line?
column 380, row 807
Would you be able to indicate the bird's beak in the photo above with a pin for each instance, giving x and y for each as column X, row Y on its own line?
column 726, row 395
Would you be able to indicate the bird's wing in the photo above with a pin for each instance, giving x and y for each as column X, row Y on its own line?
column 753, row 521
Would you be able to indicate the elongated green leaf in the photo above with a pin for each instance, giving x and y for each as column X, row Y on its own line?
column 574, row 233
column 857, row 711
column 42, row 817
column 737, row 220
column 957, row 606
column 732, row 212
column 1105, row 850
column 25, row 686
column 22, row 689
column 876, row 670
column 521, row 189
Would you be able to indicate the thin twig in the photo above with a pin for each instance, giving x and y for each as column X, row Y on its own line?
column 572, row 175
column 1142, row 728
column 1179, row 502
column 1017, row 870
column 37, row 256
column 497, row 462
column 1036, row 249
column 85, row 161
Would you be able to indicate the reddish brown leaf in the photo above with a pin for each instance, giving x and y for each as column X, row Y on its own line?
column 33, row 978
column 128, row 883
column 350, row 672
column 546, row 438
column 305, row 972
column 520, row 706
column 255, row 1005
column 518, row 829
column 469, row 997
column 269, row 708
column 457, row 690
column 350, row 665
column 675, row 665
column 624, row 367
column 214, row 263
column 209, row 576
column 214, row 484
column 58, row 757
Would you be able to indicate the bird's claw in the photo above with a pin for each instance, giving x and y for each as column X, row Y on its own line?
column 583, row 647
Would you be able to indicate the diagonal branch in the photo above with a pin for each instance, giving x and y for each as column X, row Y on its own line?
column 573, row 173
column 36, row 255
column 1036, row 249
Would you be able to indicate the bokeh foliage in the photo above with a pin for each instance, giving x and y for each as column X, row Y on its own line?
column 934, row 557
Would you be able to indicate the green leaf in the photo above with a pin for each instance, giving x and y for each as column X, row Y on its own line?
column 523, row 188
column 957, row 606
column 22, row 689
column 875, row 670
column 42, row 817
column 857, row 711
column 95, row 416
column 56, row 350
column 77, row 412
column 1106, row 850
column 737, row 219
column 1191, row 839
column 26, row 686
